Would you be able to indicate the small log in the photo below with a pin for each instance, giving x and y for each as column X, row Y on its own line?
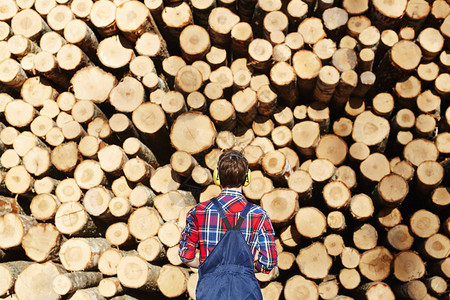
column 18, row 181
column 96, row 202
column 435, row 247
column 131, row 265
column 67, row 190
column 25, row 287
column 173, row 257
column 9, row 159
column 307, row 67
column 81, row 8
column 71, row 218
column 89, row 174
column 69, row 283
column 19, row 113
column 137, row 170
column 276, row 166
column 225, row 140
column 343, row 128
column 415, row 267
column 71, row 58
column 58, row 17
column 52, row 42
column 127, row 95
column 170, row 204
column 420, row 150
column 281, row 204
column 121, row 187
column 259, row 185
column 93, row 84
column 380, row 257
column 313, row 261
column 120, row 207
column 333, row 148
column 399, row 237
column 324, row 49
column 308, row 289
column 30, row 24
column 221, row 21
column 347, row 84
column 305, row 136
column 344, row 59
column 152, row 45
column 349, row 278
column 306, row 217
column 175, row 19
column 134, row 147
column 326, row 84
column 196, row 101
column 429, row 175
column 336, row 194
column 421, row 217
column 334, row 244
column 194, row 43
column 79, row 254
column 118, row 235
column 374, row 290
column 241, row 36
column 322, row 171
column 172, row 281
column 14, row 228
column 44, row 206
column 109, row 287
column 9, row 272
column 144, row 222
column 365, row 237
column 350, row 257
column 169, row 234
column 109, row 260
column 201, row 176
column 79, row 33
column 361, row 207
column 151, row 249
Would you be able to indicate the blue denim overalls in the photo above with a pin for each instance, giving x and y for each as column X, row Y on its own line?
column 227, row 273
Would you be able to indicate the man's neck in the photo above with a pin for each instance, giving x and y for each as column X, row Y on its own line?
column 237, row 189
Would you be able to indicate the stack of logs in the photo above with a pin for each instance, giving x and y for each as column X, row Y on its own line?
column 113, row 115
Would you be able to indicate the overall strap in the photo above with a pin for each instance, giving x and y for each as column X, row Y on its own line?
column 243, row 215
column 222, row 214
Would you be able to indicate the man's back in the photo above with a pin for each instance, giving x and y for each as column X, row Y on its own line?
column 204, row 229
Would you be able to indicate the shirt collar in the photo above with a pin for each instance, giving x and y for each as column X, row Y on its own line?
column 230, row 193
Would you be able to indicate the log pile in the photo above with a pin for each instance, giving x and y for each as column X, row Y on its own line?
column 113, row 115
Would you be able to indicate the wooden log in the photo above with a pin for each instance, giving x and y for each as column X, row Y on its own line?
column 102, row 16
column 313, row 261
column 151, row 249
column 134, row 147
column 241, row 36
column 334, row 20
column 52, row 42
column 134, row 272
column 109, row 260
column 281, row 204
column 194, row 43
column 379, row 256
column 365, row 237
column 35, row 282
column 435, row 247
column 421, row 217
column 326, row 84
column 120, row 207
column 305, row 136
column 221, row 21
column 175, row 19
column 18, row 181
column 10, row 271
column 79, row 33
column 44, row 206
column 308, row 289
column 336, row 195
column 29, row 23
column 71, row 218
column 58, row 17
column 144, row 222
column 373, row 290
column 400, row 238
column 420, row 150
column 118, row 234
column 307, row 67
column 92, row 83
column 349, row 278
column 14, row 228
column 350, row 257
column 71, row 282
column 361, row 207
column 304, row 220
column 415, row 269
column 79, row 254
column 127, row 95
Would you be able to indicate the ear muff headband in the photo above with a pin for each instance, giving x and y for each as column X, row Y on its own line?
column 247, row 177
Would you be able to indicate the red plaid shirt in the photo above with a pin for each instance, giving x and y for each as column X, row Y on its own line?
column 204, row 229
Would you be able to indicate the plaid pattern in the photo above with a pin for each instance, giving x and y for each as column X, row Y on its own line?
column 204, row 229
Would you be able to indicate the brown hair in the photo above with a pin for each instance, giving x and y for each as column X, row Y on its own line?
column 232, row 169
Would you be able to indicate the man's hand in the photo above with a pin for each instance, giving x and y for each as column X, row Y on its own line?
column 194, row 263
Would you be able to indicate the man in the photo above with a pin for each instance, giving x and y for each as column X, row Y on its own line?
column 243, row 229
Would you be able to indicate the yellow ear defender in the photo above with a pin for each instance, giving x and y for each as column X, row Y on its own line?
column 247, row 178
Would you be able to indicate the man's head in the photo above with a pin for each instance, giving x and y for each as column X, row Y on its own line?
column 232, row 169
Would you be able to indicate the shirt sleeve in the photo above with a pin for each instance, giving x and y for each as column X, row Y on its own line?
column 189, row 238
column 267, row 257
